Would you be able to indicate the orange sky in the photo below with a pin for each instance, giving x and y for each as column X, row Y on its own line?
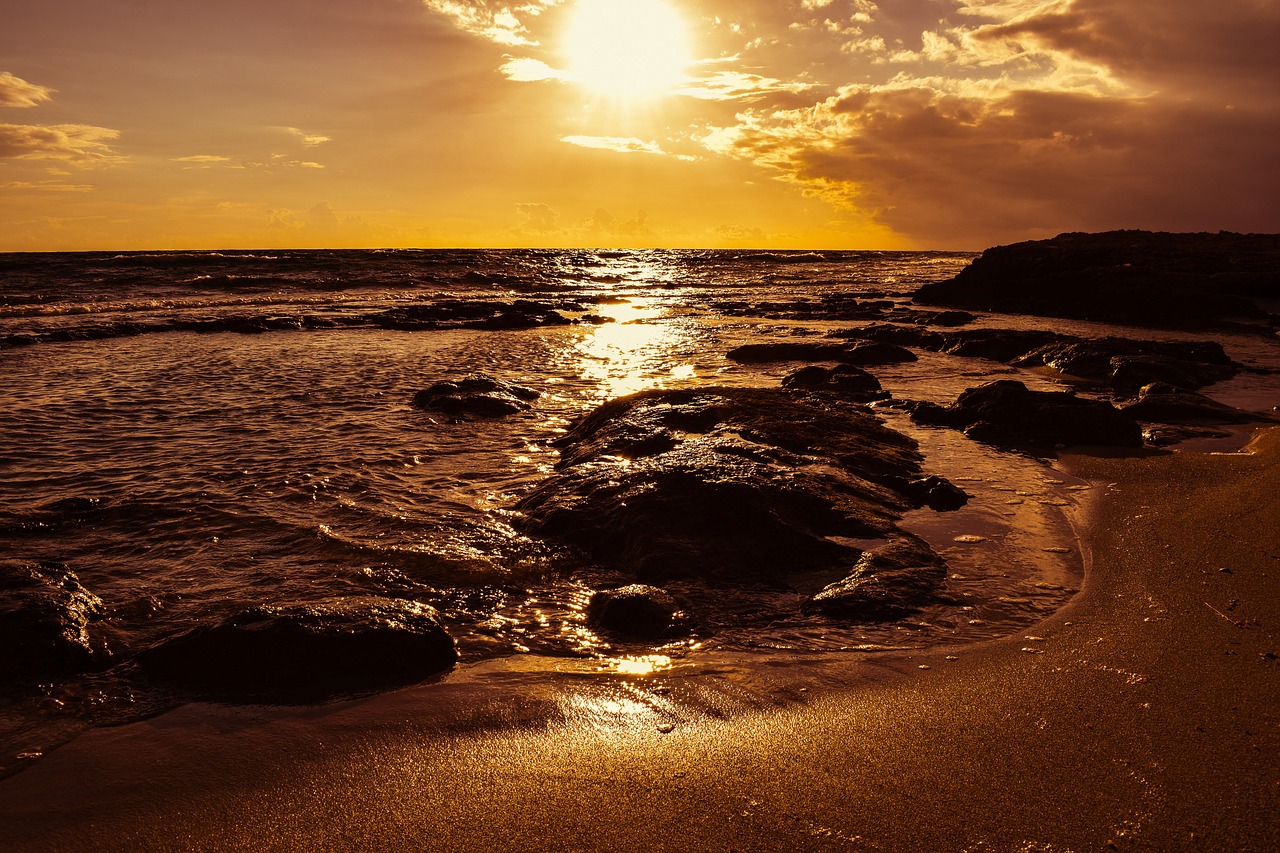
column 952, row 124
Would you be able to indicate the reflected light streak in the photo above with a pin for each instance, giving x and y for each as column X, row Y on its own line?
column 630, row 354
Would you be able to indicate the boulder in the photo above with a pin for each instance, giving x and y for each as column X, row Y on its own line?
column 1008, row 414
column 844, row 379
column 307, row 652
column 478, row 396
column 46, row 618
column 1141, row 278
column 636, row 610
column 735, row 486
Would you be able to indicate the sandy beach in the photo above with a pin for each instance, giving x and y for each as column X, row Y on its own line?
column 1142, row 716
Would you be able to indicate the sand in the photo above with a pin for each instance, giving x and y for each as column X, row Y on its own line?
column 1144, row 715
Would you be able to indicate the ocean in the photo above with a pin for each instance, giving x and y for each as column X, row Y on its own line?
column 194, row 433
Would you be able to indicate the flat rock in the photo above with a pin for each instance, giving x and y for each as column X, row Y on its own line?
column 1162, row 403
column 786, row 351
column 46, row 618
column 1008, row 414
column 306, row 652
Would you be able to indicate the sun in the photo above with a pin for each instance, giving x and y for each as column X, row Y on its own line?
column 627, row 49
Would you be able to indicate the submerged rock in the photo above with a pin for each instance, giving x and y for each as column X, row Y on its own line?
column 636, row 610
column 730, row 486
column 307, row 652
column 478, row 396
column 1008, row 414
column 1137, row 277
column 45, row 619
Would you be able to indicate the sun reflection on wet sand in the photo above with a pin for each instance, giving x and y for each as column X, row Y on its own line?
column 639, row 665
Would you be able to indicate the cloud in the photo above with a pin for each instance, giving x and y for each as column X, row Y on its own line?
column 537, row 217
column 16, row 92
column 46, row 187
column 308, row 139
column 523, row 69
column 78, row 144
column 202, row 160
column 492, row 19
column 623, row 145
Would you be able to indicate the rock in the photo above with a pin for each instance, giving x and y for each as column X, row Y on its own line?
column 938, row 494
column 1129, row 364
column 307, row 652
column 472, row 313
column 847, row 380
column 1006, row 413
column 867, row 353
column 1136, row 277
column 737, row 486
column 478, row 396
column 636, row 610
column 787, row 351
column 1164, row 403
column 886, row 583
column 1163, row 435
column 45, row 621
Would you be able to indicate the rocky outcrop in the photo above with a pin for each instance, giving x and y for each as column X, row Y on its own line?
column 478, row 396
column 46, row 623
column 726, row 486
column 307, row 651
column 1122, row 364
column 1008, row 414
column 1140, row 278
column 637, row 610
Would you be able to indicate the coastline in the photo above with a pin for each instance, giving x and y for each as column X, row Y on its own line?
column 1144, row 717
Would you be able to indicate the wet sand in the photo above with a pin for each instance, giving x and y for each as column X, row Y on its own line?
column 1145, row 715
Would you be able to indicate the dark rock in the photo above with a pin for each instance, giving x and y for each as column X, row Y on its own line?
column 1008, row 414
column 886, row 583
column 1167, row 404
column 1129, row 364
column 787, row 351
column 1136, row 277
column 307, row 652
column 757, row 486
column 867, row 353
column 1163, row 435
column 844, row 379
column 45, row 619
column 944, row 318
column 475, row 396
column 637, row 611
column 937, row 493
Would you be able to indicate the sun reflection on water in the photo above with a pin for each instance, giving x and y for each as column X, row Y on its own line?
column 631, row 353
column 639, row 664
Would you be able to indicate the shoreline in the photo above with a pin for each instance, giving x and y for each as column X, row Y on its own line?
column 1144, row 715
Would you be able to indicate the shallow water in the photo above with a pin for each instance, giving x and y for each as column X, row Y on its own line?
column 215, row 470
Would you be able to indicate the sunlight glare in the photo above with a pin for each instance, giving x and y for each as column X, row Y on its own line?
column 626, row 48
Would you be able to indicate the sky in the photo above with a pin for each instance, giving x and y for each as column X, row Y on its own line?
column 854, row 124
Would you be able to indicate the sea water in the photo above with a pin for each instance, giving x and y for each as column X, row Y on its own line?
column 194, row 433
